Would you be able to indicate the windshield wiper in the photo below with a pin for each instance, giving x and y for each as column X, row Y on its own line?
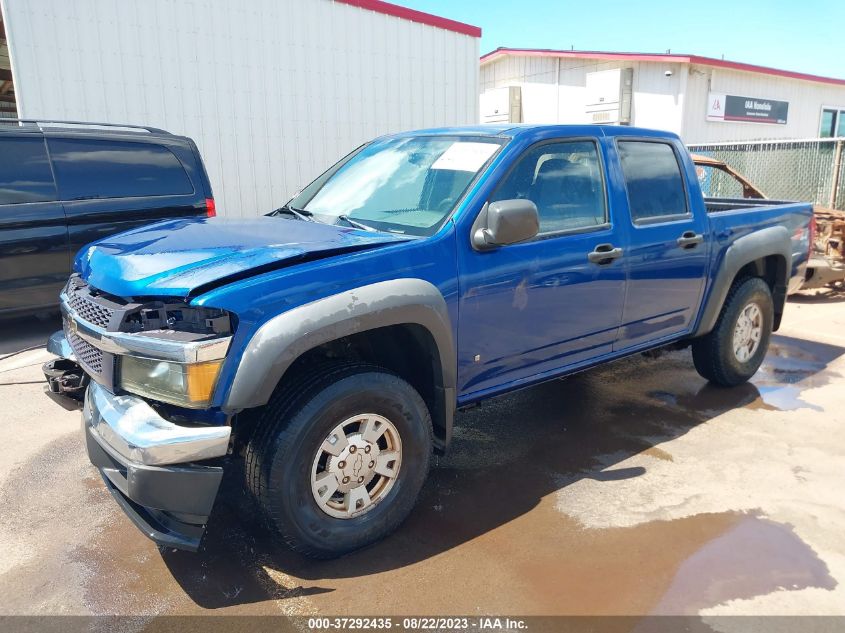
column 356, row 224
column 300, row 214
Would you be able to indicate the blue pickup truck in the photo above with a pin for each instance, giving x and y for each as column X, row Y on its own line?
column 323, row 350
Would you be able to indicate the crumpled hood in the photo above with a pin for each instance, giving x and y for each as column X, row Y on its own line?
column 176, row 257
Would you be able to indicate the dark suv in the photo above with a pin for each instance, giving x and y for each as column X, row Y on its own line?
column 65, row 184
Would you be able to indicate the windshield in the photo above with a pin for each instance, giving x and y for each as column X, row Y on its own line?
column 402, row 185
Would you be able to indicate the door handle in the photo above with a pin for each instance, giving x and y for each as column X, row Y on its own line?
column 604, row 254
column 690, row 239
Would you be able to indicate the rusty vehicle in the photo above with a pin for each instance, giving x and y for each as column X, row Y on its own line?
column 826, row 267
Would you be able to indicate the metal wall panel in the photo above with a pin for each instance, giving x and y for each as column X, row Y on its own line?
column 805, row 98
column 677, row 103
column 562, row 99
column 272, row 91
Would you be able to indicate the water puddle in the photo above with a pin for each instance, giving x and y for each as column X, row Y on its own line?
column 752, row 557
column 658, row 453
column 676, row 567
column 792, row 366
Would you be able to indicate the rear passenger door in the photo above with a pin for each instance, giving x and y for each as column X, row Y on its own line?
column 109, row 186
column 667, row 253
column 34, row 258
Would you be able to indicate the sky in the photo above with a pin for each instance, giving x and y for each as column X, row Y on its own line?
column 805, row 36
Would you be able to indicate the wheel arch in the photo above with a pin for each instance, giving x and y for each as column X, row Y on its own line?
column 402, row 324
column 767, row 254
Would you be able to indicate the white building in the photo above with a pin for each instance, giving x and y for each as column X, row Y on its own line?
column 272, row 91
column 702, row 99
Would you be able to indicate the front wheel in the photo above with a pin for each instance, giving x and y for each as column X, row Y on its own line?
column 338, row 464
column 733, row 352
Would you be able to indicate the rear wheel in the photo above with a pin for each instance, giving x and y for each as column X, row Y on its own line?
column 338, row 460
column 734, row 350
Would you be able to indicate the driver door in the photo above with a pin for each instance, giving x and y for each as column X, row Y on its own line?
column 530, row 309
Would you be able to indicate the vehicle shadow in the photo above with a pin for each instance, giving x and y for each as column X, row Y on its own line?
column 824, row 295
column 20, row 333
column 506, row 456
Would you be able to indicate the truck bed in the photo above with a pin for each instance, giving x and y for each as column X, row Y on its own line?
column 737, row 217
column 715, row 205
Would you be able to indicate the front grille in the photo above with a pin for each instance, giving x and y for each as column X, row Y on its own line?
column 85, row 307
column 88, row 306
column 87, row 355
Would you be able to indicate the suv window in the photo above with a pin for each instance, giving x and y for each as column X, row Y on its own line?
column 25, row 174
column 115, row 169
column 564, row 180
column 653, row 180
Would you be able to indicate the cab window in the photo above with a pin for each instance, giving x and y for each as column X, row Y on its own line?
column 564, row 180
column 653, row 180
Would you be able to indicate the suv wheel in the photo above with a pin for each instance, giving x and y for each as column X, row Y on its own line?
column 339, row 458
column 734, row 350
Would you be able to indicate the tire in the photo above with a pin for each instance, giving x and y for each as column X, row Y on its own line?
column 714, row 355
column 285, row 452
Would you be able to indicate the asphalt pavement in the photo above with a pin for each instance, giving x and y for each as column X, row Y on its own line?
column 635, row 488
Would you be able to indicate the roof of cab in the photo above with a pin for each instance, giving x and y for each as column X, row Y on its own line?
column 514, row 130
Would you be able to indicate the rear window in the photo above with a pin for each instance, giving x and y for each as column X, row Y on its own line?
column 653, row 180
column 114, row 169
column 25, row 171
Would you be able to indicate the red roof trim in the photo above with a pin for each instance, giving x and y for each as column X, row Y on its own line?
column 546, row 52
column 660, row 57
column 753, row 68
column 414, row 16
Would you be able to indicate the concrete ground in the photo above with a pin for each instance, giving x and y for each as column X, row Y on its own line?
column 632, row 489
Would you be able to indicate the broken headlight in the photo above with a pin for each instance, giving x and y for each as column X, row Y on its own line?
column 188, row 385
column 187, row 379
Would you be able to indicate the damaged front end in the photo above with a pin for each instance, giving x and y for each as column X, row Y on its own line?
column 64, row 376
column 147, row 371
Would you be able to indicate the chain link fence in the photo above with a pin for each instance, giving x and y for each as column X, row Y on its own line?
column 801, row 170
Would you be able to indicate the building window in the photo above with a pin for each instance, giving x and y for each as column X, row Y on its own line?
column 833, row 122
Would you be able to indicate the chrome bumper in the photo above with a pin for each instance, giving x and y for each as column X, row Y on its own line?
column 133, row 429
column 143, row 459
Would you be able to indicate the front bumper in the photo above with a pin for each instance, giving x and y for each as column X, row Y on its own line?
column 147, row 464
column 58, row 345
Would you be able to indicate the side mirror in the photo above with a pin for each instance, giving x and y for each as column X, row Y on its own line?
column 505, row 222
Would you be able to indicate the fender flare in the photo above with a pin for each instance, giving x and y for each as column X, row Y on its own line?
column 774, row 240
column 285, row 337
